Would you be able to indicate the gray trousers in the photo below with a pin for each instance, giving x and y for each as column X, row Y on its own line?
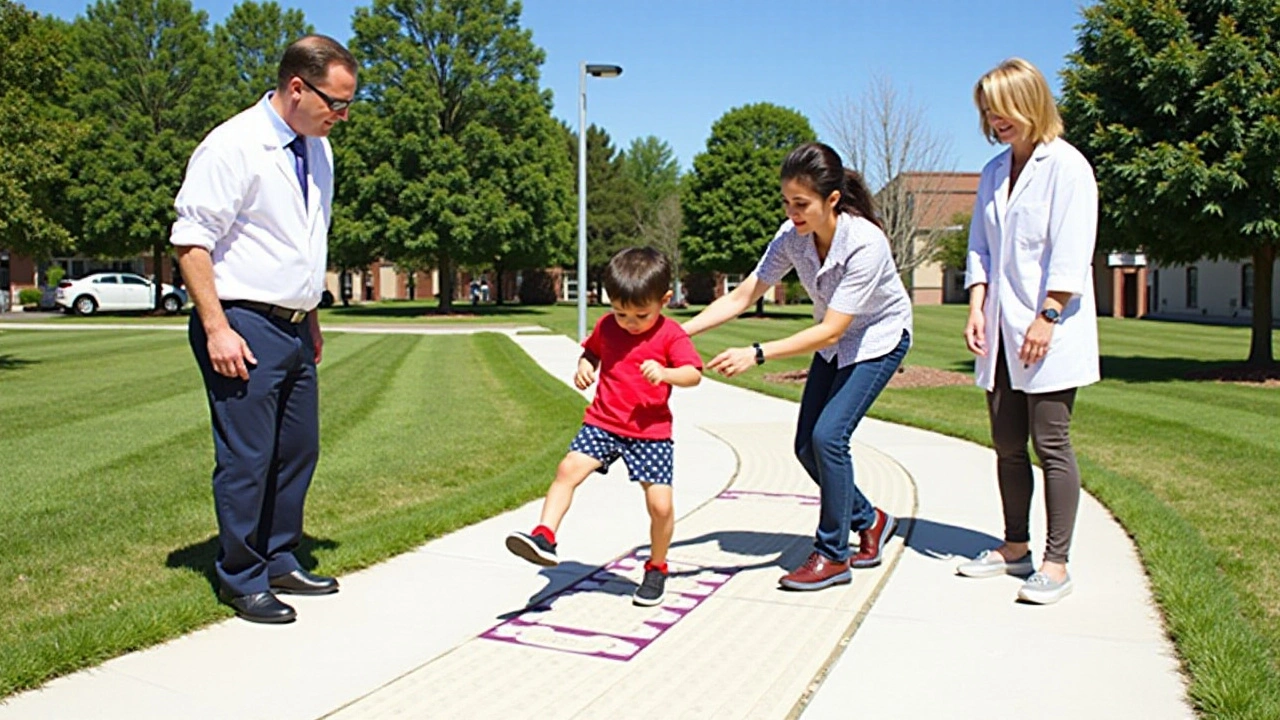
column 1046, row 419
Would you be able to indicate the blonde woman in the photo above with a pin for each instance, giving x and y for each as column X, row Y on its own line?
column 1032, row 316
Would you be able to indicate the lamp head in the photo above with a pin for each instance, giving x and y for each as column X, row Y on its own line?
column 604, row 71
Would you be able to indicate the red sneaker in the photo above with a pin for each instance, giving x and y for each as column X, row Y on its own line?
column 873, row 539
column 817, row 572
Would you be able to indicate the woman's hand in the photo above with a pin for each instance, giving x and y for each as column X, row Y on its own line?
column 1036, row 344
column 975, row 333
column 733, row 361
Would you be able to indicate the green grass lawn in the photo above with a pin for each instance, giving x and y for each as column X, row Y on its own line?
column 107, row 528
column 110, row 546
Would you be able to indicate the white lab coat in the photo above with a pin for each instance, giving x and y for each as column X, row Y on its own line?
column 1023, row 244
column 241, row 201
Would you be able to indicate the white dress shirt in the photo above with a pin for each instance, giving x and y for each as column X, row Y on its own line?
column 857, row 278
column 1023, row 245
column 241, row 201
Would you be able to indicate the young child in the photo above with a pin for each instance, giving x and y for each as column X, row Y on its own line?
column 640, row 354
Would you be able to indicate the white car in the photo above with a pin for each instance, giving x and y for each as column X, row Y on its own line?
column 116, row 291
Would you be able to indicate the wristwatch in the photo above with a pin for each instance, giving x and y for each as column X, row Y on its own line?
column 759, row 353
column 1051, row 315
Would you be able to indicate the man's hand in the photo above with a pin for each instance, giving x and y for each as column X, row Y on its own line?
column 653, row 371
column 586, row 374
column 230, row 354
column 733, row 361
column 317, row 338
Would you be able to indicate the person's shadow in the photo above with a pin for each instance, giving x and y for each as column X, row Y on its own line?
column 776, row 550
column 940, row 541
column 200, row 556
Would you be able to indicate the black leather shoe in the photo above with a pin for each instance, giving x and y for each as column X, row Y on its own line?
column 261, row 607
column 301, row 582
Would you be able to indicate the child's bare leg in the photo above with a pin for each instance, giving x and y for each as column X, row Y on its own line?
column 662, row 520
column 573, row 469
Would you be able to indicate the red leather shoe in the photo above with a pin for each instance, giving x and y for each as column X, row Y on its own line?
column 817, row 572
column 873, row 539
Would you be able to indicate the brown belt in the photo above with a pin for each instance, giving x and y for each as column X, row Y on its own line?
column 287, row 314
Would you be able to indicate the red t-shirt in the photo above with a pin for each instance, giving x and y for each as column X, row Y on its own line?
column 626, row 404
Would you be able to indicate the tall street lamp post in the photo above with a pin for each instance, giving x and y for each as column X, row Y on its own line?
column 604, row 71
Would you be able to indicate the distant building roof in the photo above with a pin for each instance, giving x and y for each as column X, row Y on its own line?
column 939, row 196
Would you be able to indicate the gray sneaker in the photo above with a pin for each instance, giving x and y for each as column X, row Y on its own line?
column 1040, row 589
column 990, row 563
column 652, row 591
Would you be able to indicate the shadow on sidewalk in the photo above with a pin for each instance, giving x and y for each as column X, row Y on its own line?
column 200, row 556
column 941, row 541
column 775, row 550
column 752, row 543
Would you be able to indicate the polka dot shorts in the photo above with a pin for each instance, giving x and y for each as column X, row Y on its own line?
column 648, row 461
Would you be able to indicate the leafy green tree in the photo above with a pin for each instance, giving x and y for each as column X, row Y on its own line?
column 253, row 38
column 146, row 82
column 36, row 133
column 731, row 206
column 952, row 248
column 460, row 159
column 1177, row 105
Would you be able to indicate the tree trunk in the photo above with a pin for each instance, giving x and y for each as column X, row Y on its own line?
column 760, row 307
column 157, row 263
column 498, row 271
column 1264, row 259
column 446, row 283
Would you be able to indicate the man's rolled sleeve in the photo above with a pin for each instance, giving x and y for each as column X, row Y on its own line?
column 209, row 200
column 1073, row 230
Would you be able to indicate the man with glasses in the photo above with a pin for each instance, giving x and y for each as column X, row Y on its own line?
column 252, row 242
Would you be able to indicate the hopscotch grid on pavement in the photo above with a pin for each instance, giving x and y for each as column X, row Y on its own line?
column 524, row 628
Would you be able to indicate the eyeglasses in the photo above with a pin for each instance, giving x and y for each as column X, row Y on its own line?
column 334, row 105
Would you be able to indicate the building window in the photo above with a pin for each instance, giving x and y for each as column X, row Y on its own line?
column 1246, row 285
column 1193, row 287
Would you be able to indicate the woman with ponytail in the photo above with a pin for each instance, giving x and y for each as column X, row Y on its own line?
column 862, row 330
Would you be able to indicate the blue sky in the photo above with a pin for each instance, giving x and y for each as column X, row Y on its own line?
column 686, row 62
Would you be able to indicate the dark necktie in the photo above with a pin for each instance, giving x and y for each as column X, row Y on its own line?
column 299, row 148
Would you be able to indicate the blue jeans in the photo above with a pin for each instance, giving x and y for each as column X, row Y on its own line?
column 834, row 402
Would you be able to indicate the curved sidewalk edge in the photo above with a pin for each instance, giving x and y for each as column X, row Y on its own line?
column 938, row 645
column 460, row 628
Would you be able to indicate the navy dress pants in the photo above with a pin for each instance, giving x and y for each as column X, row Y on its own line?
column 266, row 439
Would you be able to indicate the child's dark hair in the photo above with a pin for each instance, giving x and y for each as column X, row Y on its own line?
column 819, row 167
column 637, row 276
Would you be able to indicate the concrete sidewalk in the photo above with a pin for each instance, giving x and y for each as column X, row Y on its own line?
column 460, row 628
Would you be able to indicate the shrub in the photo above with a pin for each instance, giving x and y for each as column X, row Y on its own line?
column 54, row 275
column 700, row 288
column 30, row 296
column 795, row 292
column 537, row 287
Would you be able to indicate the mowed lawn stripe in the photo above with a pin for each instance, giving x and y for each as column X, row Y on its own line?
column 427, row 428
column 107, row 532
